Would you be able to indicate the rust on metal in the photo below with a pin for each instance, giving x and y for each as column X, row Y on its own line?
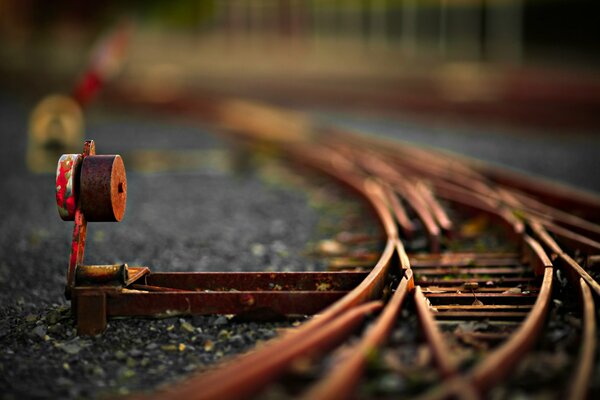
column 257, row 281
column 103, row 188
column 79, row 230
column 585, row 365
column 343, row 378
column 67, row 185
column 115, row 275
column 91, row 313
column 441, row 354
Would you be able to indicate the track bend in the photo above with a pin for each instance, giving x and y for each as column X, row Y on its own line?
column 466, row 245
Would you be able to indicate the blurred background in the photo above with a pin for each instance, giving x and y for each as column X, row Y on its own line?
column 509, row 81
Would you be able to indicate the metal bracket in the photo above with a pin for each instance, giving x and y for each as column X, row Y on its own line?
column 98, row 292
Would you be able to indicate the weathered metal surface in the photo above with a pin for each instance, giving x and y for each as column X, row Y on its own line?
column 112, row 275
column 342, row 379
column 79, row 230
column 585, row 365
column 258, row 303
column 445, row 363
column 90, row 312
column 103, row 188
column 254, row 281
column 463, row 260
column 67, row 185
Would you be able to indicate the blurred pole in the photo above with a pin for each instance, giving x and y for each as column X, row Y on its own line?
column 443, row 35
column 467, row 31
column 317, row 24
column 409, row 28
column 504, row 21
column 351, row 18
column 378, row 22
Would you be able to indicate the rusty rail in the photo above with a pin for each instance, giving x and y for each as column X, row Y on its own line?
column 413, row 192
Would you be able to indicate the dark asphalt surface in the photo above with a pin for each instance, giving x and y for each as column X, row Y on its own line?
column 202, row 220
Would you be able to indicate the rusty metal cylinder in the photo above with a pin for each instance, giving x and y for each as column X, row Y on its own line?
column 103, row 188
column 115, row 275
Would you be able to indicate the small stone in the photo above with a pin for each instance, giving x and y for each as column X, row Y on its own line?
column 151, row 346
column 70, row 348
column 186, row 326
column 127, row 373
column 390, row 383
column 66, row 366
column 31, row 318
column 170, row 328
column 120, row 355
column 56, row 328
column 221, row 320
column 224, row 334
column 258, row 250
column 330, row 247
column 39, row 331
column 52, row 317
column 135, row 352
column 131, row 363
column 208, row 345
column 169, row 347
column 181, row 347
column 62, row 381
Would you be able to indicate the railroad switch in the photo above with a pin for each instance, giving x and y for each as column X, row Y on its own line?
column 93, row 188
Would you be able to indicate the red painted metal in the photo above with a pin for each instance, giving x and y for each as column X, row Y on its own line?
column 67, row 173
column 79, row 230
column 105, row 61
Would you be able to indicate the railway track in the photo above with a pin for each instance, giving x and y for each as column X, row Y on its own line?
column 484, row 250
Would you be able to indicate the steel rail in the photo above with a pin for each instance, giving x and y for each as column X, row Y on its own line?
column 568, row 261
column 587, row 353
column 341, row 380
column 583, row 372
